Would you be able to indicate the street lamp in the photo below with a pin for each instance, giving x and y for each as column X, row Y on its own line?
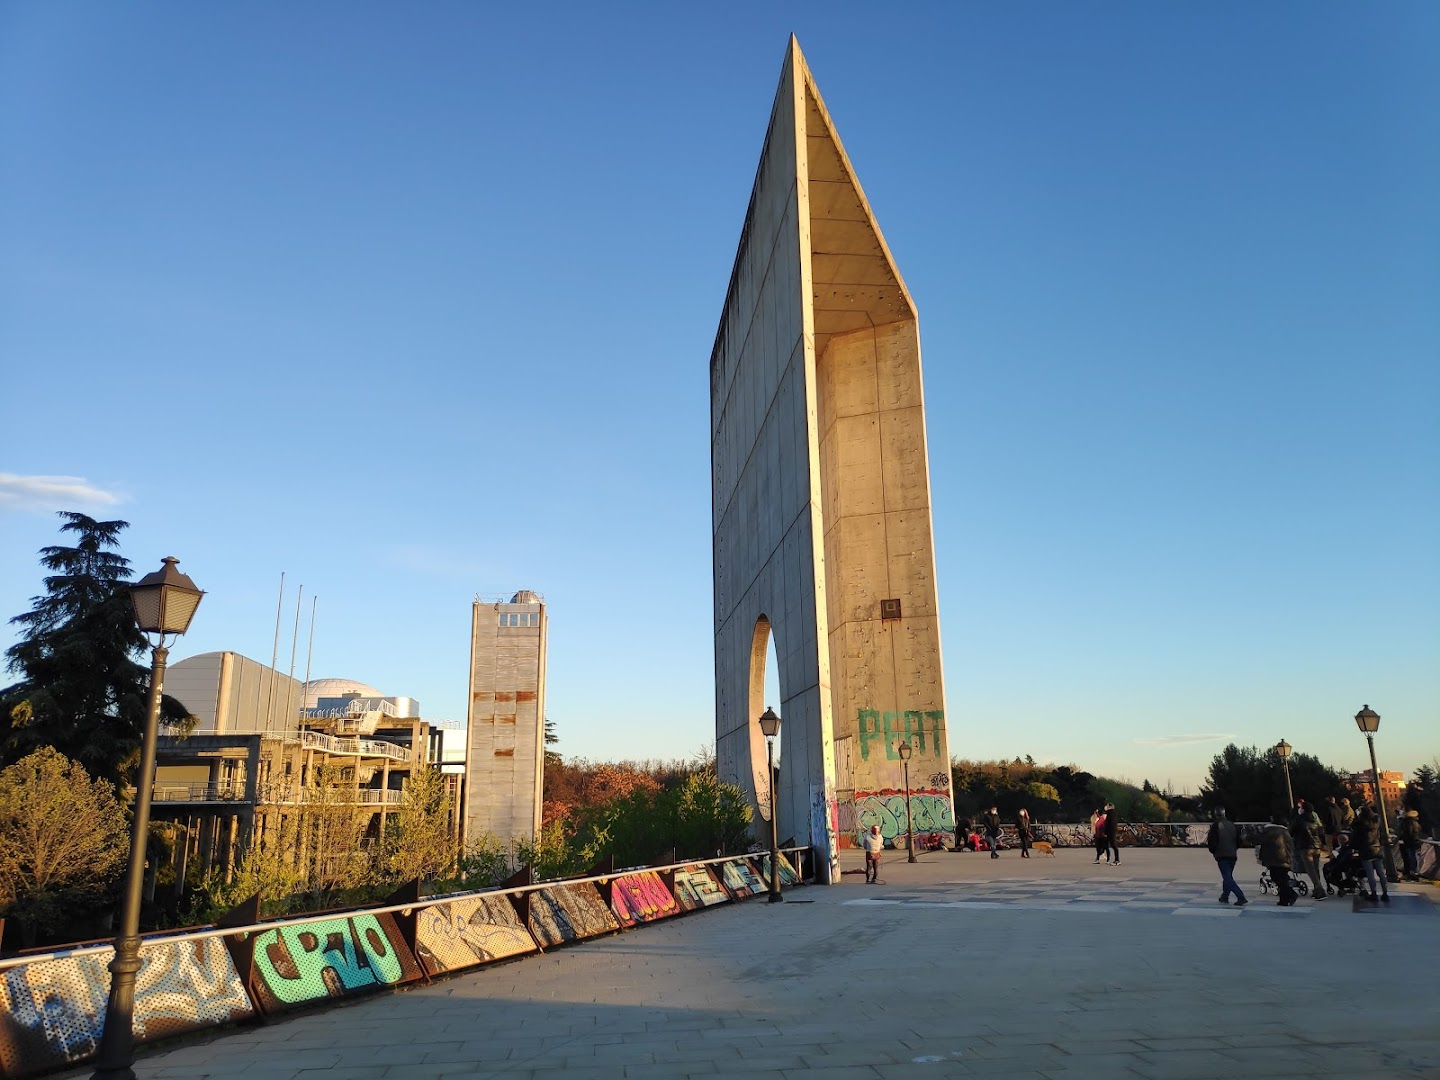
column 770, row 728
column 905, row 751
column 1368, row 721
column 1283, row 748
column 164, row 603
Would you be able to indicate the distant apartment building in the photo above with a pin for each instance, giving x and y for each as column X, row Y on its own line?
column 1392, row 786
column 262, row 744
column 505, row 743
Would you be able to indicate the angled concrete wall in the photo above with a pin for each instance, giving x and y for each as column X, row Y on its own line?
column 821, row 500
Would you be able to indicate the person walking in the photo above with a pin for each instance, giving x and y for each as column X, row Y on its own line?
column 874, row 845
column 1224, row 844
column 1305, row 831
column 992, row 831
column 1022, row 826
column 1365, row 836
column 1097, row 830
column 1408, row 833
column 1276, row 853
column 1112, row 834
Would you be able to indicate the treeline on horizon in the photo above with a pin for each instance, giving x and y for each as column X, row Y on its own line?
column 1247, row 781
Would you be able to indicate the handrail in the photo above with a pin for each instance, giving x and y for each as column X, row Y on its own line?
column 347, row 746
column 280, row 793
column 384, row 909
column 225, row 791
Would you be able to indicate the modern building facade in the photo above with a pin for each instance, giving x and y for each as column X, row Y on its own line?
column 505, row 741
column 1392, row 786
column 266, row 742
column 821, row 501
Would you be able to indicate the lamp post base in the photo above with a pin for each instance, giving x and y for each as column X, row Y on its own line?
column 776, row 898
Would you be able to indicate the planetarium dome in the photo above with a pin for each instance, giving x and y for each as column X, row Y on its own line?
column 316, row 689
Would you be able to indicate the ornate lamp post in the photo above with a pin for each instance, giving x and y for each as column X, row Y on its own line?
column 1283, row 748
column 1368, row 721
column 770, row 728
column 164, row 602
column 906, row 750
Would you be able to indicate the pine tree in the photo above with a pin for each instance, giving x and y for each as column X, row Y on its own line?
column 81, row 689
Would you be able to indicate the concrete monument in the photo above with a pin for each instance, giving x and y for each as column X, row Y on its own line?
column 821, row 503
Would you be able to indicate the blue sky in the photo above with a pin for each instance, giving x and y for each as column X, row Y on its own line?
column 416, row 302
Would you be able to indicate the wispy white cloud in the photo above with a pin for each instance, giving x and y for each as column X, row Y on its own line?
column 46, row 493
column 1181, row 740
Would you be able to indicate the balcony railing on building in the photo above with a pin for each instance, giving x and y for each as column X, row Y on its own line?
column 283, row 794
column 348, row 747
column 225, row 791
column 280, row 794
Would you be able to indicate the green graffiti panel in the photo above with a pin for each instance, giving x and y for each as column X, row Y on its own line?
column 335, row 957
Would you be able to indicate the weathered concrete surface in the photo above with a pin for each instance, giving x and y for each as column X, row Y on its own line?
column 821, row 498
column 1129, row 971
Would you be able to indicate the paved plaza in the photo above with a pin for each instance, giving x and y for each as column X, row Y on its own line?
column 956, row 966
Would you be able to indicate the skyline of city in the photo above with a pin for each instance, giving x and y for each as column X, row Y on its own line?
column 413, row 337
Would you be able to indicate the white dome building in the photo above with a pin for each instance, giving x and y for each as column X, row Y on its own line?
column 316, row 689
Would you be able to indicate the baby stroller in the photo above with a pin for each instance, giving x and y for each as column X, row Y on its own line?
column 1343, row 874
column 1298, row 883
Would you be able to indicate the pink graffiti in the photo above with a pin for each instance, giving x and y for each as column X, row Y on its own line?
column 639, row 898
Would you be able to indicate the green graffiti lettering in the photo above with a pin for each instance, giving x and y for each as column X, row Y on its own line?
column 293, row 961
column 868, row 721
column 893, row 728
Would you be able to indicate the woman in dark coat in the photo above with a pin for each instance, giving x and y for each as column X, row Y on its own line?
column 1022, row 827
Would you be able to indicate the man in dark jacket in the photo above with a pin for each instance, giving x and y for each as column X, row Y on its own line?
column 1365, row 836
column 1276, row 853
column 1408, row 833
column 1224, row 843
column 992, row 831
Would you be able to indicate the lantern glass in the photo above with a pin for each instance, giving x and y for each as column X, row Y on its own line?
column 769, row 723
column 165, row 601
column 905, row 751
column 1367, row 720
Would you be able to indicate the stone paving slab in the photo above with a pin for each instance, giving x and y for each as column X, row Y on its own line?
column 956, row 966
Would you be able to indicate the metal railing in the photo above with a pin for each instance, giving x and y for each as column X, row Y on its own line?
column 226, row 791
column 283, row 794
column 351, row 747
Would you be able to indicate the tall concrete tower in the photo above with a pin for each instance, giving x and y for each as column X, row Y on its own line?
column 821, row 501
column 505, row 737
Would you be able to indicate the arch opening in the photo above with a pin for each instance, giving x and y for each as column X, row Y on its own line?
column 764, row 693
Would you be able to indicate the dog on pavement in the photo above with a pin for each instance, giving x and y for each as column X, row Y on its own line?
column 1044, row 847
